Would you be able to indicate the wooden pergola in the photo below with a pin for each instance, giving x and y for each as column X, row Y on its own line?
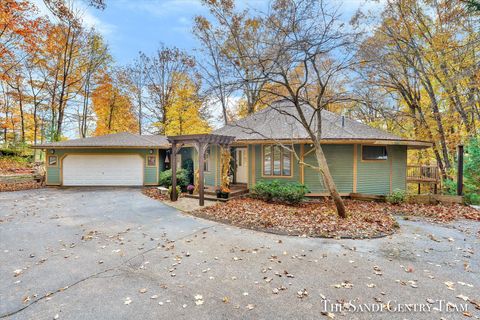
column 200, row 142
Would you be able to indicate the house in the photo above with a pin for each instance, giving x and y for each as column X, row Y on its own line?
column 361, row 159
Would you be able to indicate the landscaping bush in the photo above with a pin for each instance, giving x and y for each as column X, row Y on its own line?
column 396, row 197
column 166, row 178
column 188, row 165
column 275, row 190
column 471, row 177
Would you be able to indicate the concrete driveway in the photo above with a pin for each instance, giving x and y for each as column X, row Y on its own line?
column 84, row 253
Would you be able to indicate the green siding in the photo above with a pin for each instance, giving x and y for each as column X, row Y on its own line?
column 374, row 176
column 340, row 162
column 399, row 167
column 214, row 166
column 53, row 173
column 251, row 160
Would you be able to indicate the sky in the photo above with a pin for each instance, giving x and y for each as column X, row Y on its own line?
column 131, row 26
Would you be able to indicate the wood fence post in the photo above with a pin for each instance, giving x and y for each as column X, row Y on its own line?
column 460, row 170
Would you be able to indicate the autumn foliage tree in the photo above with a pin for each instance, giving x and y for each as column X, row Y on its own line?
column 185, row 114
column 113, row 108
column 422, row 57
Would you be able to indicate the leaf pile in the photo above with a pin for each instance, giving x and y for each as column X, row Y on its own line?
column 154, row 193
column 315, row 219
column 17, row 186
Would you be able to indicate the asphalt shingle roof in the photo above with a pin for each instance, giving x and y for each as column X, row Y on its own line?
column 123, row 139
column 276, row 123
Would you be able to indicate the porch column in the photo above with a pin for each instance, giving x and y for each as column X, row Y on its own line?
column 173, row 159
column 201, row 160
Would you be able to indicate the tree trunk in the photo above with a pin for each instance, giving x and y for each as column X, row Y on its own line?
column 22, row 115
column 327, row 178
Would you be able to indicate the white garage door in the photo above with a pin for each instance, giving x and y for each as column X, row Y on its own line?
column 103, row 170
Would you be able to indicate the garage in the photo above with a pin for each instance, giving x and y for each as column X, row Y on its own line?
column 102, row 170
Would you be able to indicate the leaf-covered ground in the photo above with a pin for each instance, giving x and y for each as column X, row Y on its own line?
column 154, row 193
column 311, row 218
column 9, row 165
column 366, row 219
column 26, row 185
column 439, row 212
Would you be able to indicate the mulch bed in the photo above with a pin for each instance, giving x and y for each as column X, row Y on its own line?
column 17, row 186
column 318, row 219
column 312, row 219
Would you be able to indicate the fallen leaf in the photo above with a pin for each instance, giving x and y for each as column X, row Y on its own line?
column 328, row 314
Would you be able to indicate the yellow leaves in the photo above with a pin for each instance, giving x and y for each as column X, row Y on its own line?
column 184, row 113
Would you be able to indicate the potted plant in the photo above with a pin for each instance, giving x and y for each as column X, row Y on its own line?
column 218, row 192
column 225, row 191
column 190, row 188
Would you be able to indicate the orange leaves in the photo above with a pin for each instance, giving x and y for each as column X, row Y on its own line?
column 113, row 108
column 19, row 26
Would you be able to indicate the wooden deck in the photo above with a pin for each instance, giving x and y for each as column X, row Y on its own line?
column 426, row 175
column 423, row 174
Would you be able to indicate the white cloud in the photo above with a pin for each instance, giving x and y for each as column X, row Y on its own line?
column 89, row 20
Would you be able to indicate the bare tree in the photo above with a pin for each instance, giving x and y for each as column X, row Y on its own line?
column 136, row 81
column 215, row 69
column 237, row 35
column 301, row 64
column 96, row 58
column 160, row 72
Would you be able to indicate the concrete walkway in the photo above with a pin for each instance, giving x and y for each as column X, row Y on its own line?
column 113, row 253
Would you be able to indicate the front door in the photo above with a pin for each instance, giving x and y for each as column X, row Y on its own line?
column 241, row 159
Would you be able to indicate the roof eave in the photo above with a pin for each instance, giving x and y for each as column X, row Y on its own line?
column 414, row 144
column 99, row 147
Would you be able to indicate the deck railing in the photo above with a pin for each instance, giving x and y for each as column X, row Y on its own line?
column 422, row 173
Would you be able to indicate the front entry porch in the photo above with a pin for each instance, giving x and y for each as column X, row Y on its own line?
column 201, row 143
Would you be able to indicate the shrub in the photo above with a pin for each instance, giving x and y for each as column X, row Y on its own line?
column 275, row 190
column 471, row 177
column 396, row 197
column 188, row 166
column 166, row 178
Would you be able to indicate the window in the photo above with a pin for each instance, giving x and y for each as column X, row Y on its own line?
column 277, row 161
column 374, row 153
column 151, row 161
column 52, row 161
